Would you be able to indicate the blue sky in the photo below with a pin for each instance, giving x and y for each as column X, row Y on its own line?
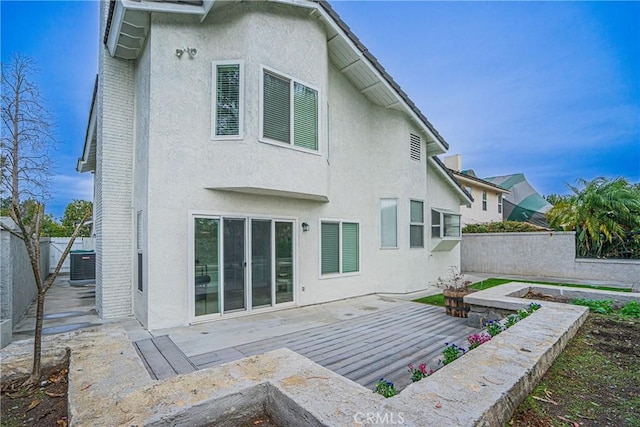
column 550, row 89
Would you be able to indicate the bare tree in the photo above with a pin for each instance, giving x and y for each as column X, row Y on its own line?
column 27, row 137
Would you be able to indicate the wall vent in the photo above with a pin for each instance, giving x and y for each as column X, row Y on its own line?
column 415, row 147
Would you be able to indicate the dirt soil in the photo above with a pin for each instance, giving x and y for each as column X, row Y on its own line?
column 42, row 405
column 594, row 382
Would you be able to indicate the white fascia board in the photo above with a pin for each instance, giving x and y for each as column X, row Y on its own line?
column 327, row 19
column 463, row 196
column 188, row 9
column 89, row 142
column 114, row 29
column 206, row 6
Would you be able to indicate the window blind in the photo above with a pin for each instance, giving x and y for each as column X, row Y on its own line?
column 305, row 117
column 227, row 100
column 330, row 251
column 277, row 107
column 389, row 223
column 350, row 247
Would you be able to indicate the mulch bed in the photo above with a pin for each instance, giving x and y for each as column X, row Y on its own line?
column 42, row 405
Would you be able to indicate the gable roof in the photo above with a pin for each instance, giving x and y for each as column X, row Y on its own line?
column 128, row 24
column 462, row 176
column 445, row 172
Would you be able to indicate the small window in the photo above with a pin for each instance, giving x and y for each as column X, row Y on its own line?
column 388, row 223
column 340, row 247
column 227, row 100
column 484, row 200
column 416, row 227
column 139, row 247
column 415, row 147
column 289, row 111
column 499, row 203
column 445, row 224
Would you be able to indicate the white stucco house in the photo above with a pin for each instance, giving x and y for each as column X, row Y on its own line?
column 252, row 156
column 488, row 198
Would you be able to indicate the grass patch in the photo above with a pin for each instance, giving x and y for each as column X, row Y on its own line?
column 438, row 299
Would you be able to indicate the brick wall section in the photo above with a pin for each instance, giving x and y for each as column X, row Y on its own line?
column 113, row 177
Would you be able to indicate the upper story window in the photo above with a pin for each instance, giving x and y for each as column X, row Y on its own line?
column 445, row 224
column 289, row 111
column 340, row 247
column 416, row 227
column 228, row 99
column 484, row 200
column 499, row 203
column 415, row 147
column 388, row 223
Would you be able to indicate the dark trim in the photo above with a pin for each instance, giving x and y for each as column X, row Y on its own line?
column 479, row 180
column 453, row 178
column 107, row 28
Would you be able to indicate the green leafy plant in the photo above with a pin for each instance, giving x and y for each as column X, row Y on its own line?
column 522, row 314
column 501, row 227
column 493, row 327
column 476, row 340
column 420, row 372
column 632, row 308
column 451, row 352
column 511, row 320
column 533, row 307
column 385, row 388
column 602, row 307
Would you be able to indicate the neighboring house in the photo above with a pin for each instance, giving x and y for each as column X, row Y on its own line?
column 523, row 203
column 488, row 198
column 251, row 156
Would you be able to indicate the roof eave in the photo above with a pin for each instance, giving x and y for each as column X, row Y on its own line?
column 479, row 182
column 87, row 163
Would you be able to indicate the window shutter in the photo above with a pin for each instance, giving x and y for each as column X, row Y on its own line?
column 305, row 117
column 350, row 249
column 330, row 242
column 415, row 147
column 277, row 107
column 228, row 100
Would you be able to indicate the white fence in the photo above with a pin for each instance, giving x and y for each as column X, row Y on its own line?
column 57, row 245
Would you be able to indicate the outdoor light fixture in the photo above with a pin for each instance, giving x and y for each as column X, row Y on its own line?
column 305, row 227
column 192, row 51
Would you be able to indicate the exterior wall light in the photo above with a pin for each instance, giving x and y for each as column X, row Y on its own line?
column 305, row 227
column 192, row 51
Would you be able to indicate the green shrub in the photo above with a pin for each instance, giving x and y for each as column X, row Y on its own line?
column 632, row 308
column 602, row 307
column 501, row 227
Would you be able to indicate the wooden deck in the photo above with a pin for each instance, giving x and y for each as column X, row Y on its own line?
column 162, row 358
column 366, row 348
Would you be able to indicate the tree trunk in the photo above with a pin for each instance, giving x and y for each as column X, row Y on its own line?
column 37, row 340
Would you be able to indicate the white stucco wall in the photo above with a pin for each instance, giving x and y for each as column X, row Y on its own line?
column 543, row 254
column 140, row 177
column 474, row 214
column 363, row 157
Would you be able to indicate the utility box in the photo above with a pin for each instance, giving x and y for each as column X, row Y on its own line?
column 83, row 267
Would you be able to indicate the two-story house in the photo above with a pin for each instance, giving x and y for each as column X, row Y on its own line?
column 254, row 155
column 488, row 198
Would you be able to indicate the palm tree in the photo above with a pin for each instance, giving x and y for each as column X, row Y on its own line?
column 602, row 212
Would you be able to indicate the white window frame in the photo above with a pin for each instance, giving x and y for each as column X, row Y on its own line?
column 484, row 200
column 396, row 224
column 291, row 145
column 442, row 213
column 500, row 203
column 339, row 273
column 214, row 92
column 411, row 223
